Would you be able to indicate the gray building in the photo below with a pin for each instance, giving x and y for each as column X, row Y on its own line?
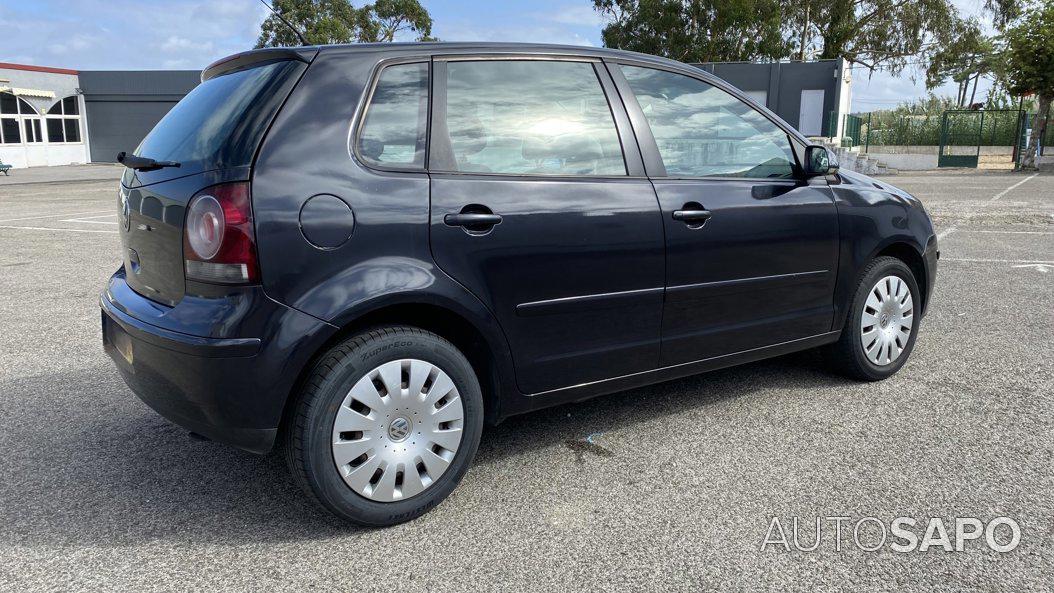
column 808, row 95
column 122, row 106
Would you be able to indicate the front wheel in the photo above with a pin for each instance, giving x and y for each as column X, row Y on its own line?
column 386, row 426
column 883, row 320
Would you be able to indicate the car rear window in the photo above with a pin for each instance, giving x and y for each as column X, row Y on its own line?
column 220, row 123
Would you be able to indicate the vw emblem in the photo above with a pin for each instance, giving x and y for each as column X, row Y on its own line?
column 399, row 429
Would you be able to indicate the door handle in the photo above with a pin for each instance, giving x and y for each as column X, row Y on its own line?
column 472, row 220
column 692, row 216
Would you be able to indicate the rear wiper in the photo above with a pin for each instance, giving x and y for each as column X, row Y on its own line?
column 140, row 163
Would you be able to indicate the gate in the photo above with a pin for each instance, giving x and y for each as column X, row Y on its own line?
column 963, row 132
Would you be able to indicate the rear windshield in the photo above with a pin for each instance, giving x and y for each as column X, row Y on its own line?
column 220, row 123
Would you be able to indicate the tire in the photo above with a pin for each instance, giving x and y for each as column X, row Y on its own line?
column 849, row 356
column 398, row 430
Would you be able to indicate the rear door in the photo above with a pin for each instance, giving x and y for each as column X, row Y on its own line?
column 537, row 210
column 752, row 248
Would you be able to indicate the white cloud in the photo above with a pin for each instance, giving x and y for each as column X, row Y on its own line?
column 131, row 34
column 582, row 15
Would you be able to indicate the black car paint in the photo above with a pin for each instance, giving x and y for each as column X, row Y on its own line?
column 567, row 307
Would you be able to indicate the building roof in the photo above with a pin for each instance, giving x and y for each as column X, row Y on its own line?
column 32, row 68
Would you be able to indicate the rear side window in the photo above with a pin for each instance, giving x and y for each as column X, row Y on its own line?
column 703, row 131
column 529, row 117
column 221, row 122
column 394, row 130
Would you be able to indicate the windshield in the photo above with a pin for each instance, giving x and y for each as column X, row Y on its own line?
column 220, row 123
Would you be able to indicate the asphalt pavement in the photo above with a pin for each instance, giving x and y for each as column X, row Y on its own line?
column 670, row 487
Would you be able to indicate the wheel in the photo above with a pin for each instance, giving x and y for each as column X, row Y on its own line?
column 882, row 322
column 386, row 426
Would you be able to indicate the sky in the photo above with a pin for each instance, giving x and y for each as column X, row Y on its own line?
column 190, row 34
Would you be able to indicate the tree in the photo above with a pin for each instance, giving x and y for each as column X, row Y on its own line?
column 1030, row 66
column 324, row 22
column 697, row 30
column 967, row 57
column 883, row 34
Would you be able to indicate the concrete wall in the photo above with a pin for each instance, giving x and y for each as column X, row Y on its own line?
column 123, row 106
column 783, row 83
column 63, row 83
column 903, row 149
column 907, row 162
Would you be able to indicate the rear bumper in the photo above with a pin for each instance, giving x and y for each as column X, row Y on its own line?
column 231, row 390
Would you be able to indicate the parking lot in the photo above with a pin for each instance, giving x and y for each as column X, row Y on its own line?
column 670, row 487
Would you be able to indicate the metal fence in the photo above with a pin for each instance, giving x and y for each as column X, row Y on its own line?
column 884, row 128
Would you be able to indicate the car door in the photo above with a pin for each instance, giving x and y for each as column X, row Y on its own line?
column 751, row 247
column 536, row 209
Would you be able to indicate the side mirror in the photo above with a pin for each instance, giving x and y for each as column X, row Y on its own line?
column 820, row 161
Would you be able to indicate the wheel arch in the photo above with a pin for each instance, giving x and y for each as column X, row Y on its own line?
column 908, row 253
column 488, row 353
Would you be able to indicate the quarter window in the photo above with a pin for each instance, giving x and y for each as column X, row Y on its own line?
column 394, row 131
column 703, row 131
column 529, row 117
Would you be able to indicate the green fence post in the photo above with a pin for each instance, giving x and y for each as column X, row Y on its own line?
column 867, row 138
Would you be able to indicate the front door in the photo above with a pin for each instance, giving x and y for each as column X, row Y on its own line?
column 752, row 249
column 537, row 211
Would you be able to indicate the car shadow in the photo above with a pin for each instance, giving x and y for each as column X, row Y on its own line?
column 86, row 462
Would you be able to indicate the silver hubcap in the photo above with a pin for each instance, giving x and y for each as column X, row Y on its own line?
column 397, row 430
column 885, row 324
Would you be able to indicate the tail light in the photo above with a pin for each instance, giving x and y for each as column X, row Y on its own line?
column 219, row 244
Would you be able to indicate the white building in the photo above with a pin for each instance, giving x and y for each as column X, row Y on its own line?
column 41, row 117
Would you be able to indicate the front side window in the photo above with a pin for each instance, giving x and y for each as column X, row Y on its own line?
column 703, row 131
column 394, row 130
column 527, row 117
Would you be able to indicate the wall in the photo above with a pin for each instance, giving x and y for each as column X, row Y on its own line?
column 123, row 106
column 903, row 149
column 783, row 82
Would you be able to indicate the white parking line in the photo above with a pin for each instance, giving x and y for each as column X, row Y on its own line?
column 53, row 215
column 81, row 221
column 941, row 235
column 1010, row 232
column 995, row 261
column 43, row 228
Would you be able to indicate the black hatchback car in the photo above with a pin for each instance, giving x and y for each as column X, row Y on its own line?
column 368, row 252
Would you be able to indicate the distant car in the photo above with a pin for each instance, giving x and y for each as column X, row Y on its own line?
column 368, row 252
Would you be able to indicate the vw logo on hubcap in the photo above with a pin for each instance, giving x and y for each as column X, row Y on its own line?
column 399, row 429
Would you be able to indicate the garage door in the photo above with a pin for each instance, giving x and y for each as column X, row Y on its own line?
column 115, row 126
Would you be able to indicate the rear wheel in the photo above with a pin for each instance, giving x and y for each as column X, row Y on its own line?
column 386, row 426
column 879, row 334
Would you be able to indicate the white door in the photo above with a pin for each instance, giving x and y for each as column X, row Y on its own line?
column 810, row 118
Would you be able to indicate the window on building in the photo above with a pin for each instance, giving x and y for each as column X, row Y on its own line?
column 703, row 131
column 9, row 132
column 8, row 104
column 63, row 121
column 16, row 120
column 33, row 130
column 528, row 117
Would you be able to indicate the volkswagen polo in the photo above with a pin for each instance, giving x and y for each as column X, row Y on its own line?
column 366, row 253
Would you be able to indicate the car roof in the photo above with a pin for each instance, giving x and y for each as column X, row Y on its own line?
column 458, row 47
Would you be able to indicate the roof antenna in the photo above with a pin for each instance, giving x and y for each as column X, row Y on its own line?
column 282, row 18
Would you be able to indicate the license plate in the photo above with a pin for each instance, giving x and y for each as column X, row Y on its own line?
column 122, row 342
